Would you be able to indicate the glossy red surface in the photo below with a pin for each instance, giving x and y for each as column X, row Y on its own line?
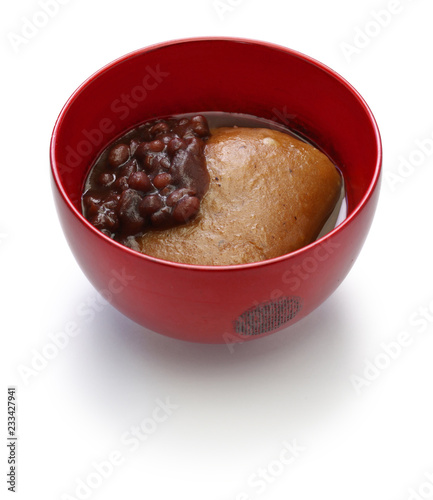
column 217, row 304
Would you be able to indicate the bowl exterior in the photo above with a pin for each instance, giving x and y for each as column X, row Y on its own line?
column 216, row 306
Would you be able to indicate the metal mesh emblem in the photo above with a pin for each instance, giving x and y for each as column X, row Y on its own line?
column 268, row 316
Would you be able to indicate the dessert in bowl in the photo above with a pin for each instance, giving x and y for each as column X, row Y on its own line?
column 216, row 301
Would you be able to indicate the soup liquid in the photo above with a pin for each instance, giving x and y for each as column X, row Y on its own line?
column 221, row 119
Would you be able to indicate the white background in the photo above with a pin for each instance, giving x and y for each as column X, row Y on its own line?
column 234, row 410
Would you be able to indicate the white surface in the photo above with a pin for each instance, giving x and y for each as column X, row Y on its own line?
column 234, row 412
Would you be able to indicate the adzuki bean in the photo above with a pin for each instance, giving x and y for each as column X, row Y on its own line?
column 152, row 178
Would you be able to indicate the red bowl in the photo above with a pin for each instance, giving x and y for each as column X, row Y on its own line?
column 222, row 303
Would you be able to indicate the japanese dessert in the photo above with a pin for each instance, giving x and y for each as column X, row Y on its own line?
column 175, row 190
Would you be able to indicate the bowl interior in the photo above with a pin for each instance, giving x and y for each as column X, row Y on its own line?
column 227, row 75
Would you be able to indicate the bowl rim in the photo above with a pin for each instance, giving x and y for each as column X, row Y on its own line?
column 235, row 267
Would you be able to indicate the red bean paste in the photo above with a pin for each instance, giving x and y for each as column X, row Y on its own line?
column 154, row 177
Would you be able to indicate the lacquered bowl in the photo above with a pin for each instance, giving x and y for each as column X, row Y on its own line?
column 228, row 303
